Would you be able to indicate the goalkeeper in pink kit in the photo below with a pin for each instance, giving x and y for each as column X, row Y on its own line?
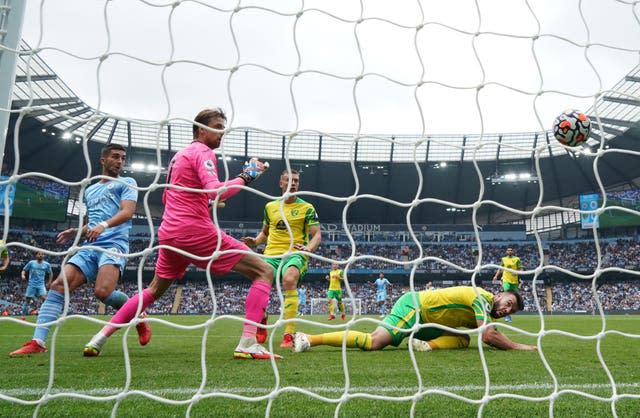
column 186, row 225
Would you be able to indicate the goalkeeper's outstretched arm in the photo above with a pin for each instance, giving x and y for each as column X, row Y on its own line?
column 251, row 170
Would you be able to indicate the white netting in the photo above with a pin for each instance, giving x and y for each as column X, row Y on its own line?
column 320, row 306
column 413, row 68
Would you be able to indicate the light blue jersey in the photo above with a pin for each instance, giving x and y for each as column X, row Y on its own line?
column 381, row 284
column 103, row 202
column 302, row 296
column 37, row 272
column 381, row 288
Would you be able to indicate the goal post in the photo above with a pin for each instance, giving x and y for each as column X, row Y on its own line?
column 320, row 306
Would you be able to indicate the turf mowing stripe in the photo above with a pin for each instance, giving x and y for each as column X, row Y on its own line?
column 323, row 389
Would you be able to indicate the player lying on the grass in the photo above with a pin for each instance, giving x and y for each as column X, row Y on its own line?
column 110, row 207
column 454, row 307
column 187, row 225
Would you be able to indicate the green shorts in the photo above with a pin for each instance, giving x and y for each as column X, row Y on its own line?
column 334, row 294
column 403, row 316
column 296, row 260
column 510, row 286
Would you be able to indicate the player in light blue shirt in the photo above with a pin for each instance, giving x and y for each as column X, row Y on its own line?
column 381, row 285
column 302, row 300
column 37, row 270
column 110, row 205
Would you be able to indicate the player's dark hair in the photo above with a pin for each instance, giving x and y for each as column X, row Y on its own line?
column 287, row 172
column 106, row 150
column 519, row 300
column 205, row 117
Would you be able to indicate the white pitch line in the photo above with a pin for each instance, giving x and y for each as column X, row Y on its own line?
column 323, row 389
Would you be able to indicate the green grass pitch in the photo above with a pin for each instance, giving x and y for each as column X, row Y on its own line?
column 447, row 383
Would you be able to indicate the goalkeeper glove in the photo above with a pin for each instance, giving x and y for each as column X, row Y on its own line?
column 253, row 169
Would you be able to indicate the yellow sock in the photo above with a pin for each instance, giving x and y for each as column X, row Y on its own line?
column 341, row 307
column 449, row 341
column 331, row 307
column 355, row 339
column 291, row 302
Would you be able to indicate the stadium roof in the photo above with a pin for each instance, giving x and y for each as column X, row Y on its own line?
column 41, row 94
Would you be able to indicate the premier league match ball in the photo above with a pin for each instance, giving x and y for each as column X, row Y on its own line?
column 572, row 128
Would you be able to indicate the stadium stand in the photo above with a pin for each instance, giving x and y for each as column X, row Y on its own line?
column 567, row 294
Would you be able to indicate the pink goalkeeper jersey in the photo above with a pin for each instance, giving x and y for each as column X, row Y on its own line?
column 187, row 213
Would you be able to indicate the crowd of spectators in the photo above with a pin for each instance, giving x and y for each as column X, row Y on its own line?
column 399, row 256
column 579, row 297
column 632, row 196
column 576, row 256
column 368, row 258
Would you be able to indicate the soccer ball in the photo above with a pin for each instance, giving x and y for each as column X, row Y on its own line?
column 571, row 128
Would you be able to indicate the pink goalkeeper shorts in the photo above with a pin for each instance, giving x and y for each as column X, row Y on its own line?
column 172, row 265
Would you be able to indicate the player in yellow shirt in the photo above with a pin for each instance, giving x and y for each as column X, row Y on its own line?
column 454, row 307
column 510, row 281
column 4, row 255
column 335, row 278
column 305, row 231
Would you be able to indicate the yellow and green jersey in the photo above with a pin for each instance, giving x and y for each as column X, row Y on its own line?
column 513, row 263
column 300, row 215
column 334, row 279
column 455, row 307
column 4, row 251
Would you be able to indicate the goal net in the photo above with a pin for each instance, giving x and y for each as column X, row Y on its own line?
column 454, row 97
column 320, row 306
